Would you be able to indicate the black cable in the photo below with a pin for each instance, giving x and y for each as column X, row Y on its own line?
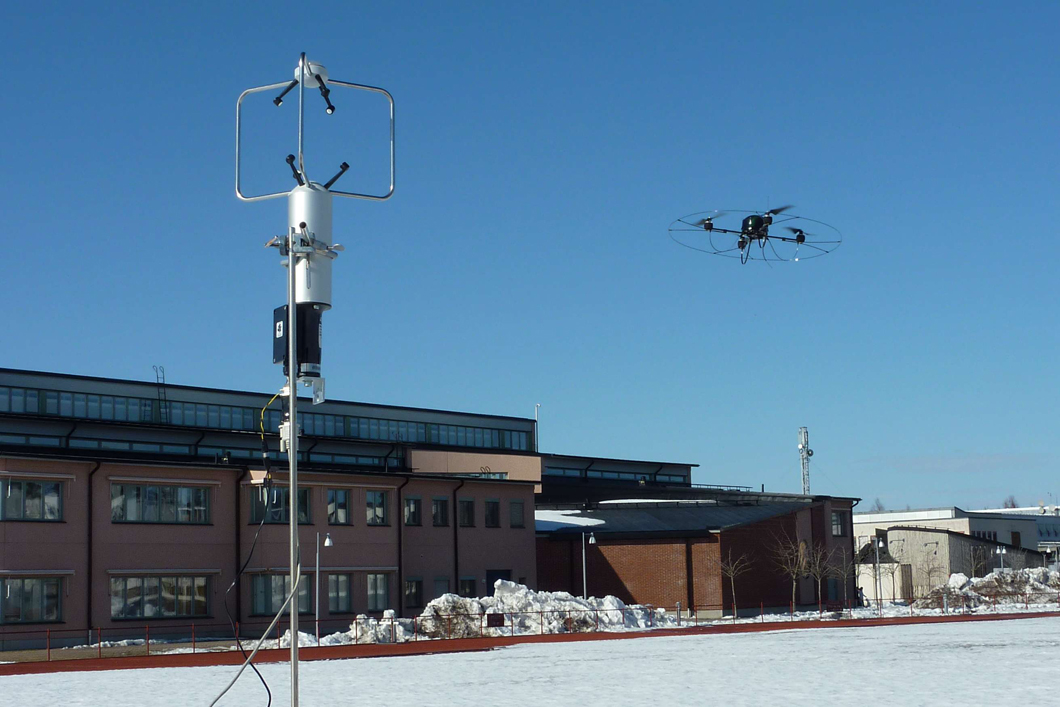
column 235, row 581
column 265, row 514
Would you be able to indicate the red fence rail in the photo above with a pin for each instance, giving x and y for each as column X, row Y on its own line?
column 162, row 638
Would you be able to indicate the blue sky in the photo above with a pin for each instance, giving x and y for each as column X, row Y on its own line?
column 542, row 151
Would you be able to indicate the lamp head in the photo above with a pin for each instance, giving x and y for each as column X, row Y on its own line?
column 327, row 540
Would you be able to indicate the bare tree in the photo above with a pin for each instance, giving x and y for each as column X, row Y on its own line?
column 1016, row 560
column 732, row 566
column 844, row 569
column 789, row 556
column 930, row 570
column 1010, row 502
column 877, row 506
column 818, row 566
column 980, row 560
column 893, row 570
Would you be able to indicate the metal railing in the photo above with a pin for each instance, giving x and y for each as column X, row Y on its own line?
column 52, row 644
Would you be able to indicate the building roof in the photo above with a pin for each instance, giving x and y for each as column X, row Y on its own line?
column 556, row 455
column 660, row 518
column 963, row 536
column 195, row 388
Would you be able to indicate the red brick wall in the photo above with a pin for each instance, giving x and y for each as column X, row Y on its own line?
column 636, row 571
column 765, row 583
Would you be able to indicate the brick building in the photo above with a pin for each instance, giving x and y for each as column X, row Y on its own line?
column 125, row 503
column 669, row 553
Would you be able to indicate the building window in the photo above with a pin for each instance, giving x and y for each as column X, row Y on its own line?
column 340, row 601
column 30, row 600
column 158, row 597
column 136, row 503
column 412, row 515
column 839, row 524
column 338, row 506
column 414, row 593
column 376, row 507
column 441, row 586
column 440, row 511
column 493, row 514
column 467, row 587
column 31, row 500
column 269, row 591
column 278, row 501
column 467, row 513
column 378, row 592
column 517, row 514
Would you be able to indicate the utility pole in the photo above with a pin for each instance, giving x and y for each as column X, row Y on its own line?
column 309, row 250
column 804, row 454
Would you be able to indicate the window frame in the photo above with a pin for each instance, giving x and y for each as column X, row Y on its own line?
column 257, row 506
column 461, row 584
column 443, row 507
column 180, row 494
column 522, row 513
column 272, row 604
column 377, row 513
column 335, row 605
column 346, row 493
column 839, row 520
column 42, row 496
column 495, row 504
column 374, row 603
column 413, row 511
column 42, row 611
column 414, row 598
column 460, row 505
column 180, row 582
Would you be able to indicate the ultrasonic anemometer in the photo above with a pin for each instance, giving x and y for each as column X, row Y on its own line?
column 309, row 252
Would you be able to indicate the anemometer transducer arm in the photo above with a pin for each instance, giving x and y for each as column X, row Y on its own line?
column 309, row 252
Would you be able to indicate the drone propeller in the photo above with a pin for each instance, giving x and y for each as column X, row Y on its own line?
column 709, row 219
column 779, row 209
column 800, row 235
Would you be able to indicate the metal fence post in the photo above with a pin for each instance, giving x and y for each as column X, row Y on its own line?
column 193, row 637
column 147, row 638
column 49, row 640
column 99, row 642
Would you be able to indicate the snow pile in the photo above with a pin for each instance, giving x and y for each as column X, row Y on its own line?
column 519, row 610
column 1036, row 585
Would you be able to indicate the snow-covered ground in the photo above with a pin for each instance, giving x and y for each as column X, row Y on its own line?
column 993, row 662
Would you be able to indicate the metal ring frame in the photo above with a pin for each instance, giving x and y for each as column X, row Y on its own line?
column 303, row 65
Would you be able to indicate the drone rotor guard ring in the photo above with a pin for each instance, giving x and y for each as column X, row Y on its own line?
column 821, row 238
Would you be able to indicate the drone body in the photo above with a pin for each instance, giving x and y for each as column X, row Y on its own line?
column 737, row 240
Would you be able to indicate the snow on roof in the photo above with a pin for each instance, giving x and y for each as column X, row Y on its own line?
column 555, row 520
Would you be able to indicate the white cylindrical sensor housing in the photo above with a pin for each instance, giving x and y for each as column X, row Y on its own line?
column 311, row 205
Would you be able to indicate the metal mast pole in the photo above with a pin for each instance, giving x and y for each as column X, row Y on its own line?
column 292, row 454
column 310, row 249
column 805, row 453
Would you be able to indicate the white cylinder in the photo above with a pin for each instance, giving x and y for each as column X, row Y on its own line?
column 311, row 205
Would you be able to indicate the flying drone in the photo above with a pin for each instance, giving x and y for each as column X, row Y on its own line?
column 746, row 235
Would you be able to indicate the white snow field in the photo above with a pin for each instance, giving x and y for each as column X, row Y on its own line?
column 988, row 662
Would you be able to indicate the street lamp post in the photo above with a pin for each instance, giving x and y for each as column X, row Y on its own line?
column 537, row 428
column 1000, row 551
column 585, row 588
column 878, row 579
column 327, row 543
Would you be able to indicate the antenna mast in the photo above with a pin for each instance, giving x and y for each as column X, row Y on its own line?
column 805, row 453
column 309, row 252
